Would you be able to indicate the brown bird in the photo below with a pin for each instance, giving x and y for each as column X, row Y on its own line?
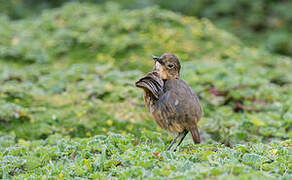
column 171, row 102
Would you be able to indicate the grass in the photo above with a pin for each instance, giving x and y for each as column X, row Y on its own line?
column 69, row 108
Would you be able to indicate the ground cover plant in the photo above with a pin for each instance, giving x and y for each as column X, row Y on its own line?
column 69, row 108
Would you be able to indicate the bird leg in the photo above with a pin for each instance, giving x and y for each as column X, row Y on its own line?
column 184, row 133
column 173, row 141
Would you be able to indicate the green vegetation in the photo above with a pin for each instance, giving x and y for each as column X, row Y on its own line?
column 69, row 108
column 125, row 157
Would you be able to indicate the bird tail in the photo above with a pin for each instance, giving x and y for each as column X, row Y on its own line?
column 195, row 134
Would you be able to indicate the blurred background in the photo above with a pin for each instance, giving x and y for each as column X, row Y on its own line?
column 262, row 23
column 68, row 67
column 69, row 107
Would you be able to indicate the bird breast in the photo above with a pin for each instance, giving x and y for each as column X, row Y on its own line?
column 172, row 103
column 177, row 108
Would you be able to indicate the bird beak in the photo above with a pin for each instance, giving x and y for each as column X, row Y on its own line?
column 159, row 59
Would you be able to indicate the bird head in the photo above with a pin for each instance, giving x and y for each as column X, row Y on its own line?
column 167, row 66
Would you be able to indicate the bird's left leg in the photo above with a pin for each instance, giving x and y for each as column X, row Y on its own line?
column 173, row 141
column 184, row 133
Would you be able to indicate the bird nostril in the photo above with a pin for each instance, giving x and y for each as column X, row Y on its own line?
column 158, row 59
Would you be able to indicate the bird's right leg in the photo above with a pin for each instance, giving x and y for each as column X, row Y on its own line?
column 184, row 133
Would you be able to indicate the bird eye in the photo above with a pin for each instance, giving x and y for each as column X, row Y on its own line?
column 170, row 66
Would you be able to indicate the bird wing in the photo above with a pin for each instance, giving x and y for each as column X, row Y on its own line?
column 178, row 106
column 151, row 82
